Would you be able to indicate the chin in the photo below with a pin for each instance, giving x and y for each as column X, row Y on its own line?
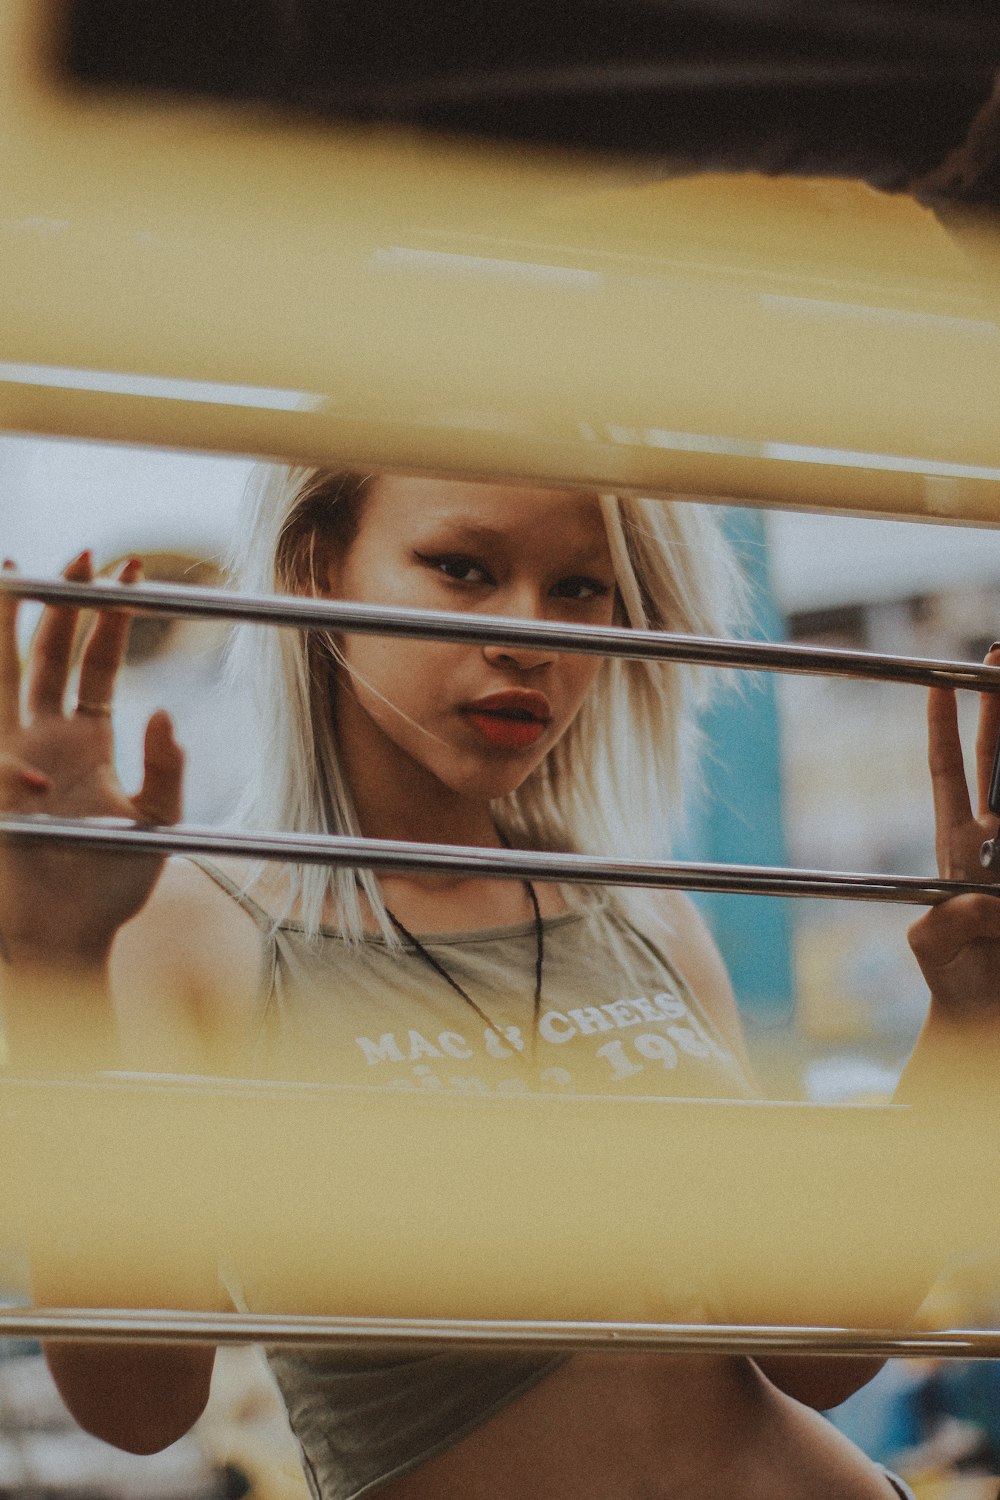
column 486, row 784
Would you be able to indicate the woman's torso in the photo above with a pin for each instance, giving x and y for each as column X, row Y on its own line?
column 616, row 1018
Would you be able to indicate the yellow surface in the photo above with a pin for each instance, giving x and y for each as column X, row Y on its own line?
column 358, row 297
column 413, row 1204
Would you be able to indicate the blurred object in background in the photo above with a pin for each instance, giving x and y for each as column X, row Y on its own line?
column 176, row 511
column 179, row 664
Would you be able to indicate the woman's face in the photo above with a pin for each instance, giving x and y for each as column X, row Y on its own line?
column 477, row 718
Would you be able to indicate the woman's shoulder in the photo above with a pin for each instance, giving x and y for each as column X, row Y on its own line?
column 191, row 957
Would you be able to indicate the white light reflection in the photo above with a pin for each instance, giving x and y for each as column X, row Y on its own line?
column 800, row 453
column 797, row 307
column 124, row 383
column 483, row 265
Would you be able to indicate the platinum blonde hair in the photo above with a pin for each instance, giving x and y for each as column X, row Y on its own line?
column 605, row 788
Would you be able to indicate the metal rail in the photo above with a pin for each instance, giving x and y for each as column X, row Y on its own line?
column 168, row 1326
column 614, row 641
column 120, row 836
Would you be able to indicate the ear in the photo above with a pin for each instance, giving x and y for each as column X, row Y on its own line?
column 327, row 569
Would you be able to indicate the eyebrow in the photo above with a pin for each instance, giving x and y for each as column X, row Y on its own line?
column 481, row 535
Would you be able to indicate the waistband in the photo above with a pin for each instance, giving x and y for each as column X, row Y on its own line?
column 899, row 1485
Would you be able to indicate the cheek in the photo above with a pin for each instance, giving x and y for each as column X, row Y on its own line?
column 409, row 674
column 586, row 671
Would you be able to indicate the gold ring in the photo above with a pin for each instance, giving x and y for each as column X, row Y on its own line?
column 94, row 710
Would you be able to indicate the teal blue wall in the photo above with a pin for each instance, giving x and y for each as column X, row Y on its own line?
column 737, row 817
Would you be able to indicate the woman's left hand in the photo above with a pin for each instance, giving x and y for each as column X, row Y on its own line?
column 957, row 943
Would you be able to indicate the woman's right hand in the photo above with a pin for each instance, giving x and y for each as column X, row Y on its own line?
column 61, row 907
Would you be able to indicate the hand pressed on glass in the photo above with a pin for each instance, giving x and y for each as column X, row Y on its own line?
column 957, row 943
column 59, row 907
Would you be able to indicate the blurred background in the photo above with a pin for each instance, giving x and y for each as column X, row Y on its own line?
column 810, row 772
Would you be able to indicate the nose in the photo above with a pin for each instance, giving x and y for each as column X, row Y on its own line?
column 521, row 658
column 520, row 604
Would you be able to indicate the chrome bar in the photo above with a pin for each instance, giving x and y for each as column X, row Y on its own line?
column 121, row 836
column 167, row 1326
column 615, row 641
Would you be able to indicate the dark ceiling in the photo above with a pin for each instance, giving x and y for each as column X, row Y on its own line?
column 881, row 91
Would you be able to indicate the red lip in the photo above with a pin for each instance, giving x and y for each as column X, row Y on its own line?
column 519, row 703
column 510, row 720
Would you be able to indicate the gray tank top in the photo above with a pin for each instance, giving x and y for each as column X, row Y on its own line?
column 616, row 1018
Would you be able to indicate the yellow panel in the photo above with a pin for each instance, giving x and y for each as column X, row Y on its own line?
column 350, row 296
column 348, row 1200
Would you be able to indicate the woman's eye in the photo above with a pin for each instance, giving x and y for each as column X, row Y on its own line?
column 581, row 589
column 456, row 566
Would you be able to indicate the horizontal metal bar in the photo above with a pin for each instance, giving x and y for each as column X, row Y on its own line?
column 120, row 836
column 614, row 641
column 167, row 1326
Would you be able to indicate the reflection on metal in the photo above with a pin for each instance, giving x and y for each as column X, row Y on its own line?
column 122, row 837
column 437, row 1334
column 616, row 641
column 184, row 276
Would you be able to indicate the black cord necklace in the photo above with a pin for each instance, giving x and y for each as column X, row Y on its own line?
column 440, row 969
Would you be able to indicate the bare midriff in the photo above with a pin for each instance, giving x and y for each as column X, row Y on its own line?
column 649, row 1427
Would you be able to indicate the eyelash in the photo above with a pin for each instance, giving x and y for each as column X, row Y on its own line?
column 440, row 563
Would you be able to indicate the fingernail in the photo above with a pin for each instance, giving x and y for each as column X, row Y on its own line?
column 995, row 647
column 84, row 559
column 35, row 780
column 9, row 565
column 131, row 570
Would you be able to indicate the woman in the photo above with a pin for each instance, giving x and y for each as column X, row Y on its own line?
column 479, row 983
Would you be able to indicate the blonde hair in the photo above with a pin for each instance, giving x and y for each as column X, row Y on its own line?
column 605, row 786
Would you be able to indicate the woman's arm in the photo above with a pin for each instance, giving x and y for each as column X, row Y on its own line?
column 178, row 1007
column 92, row 960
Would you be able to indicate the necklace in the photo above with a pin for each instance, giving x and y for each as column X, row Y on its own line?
column 440, row 969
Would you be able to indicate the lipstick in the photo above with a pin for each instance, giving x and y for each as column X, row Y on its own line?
column 510, row 720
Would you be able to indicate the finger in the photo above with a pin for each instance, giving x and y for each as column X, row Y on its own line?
column 105, row 647
column 10, row 664
column 946, row 929
column 52, row 647
column 986, row 736
column 950, row 789
column 159, row 798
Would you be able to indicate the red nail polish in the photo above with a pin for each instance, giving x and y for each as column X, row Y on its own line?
column 35, row 780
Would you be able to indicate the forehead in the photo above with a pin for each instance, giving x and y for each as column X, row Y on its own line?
column 499, row 511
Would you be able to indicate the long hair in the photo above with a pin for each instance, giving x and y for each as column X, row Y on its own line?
column 606, row 787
